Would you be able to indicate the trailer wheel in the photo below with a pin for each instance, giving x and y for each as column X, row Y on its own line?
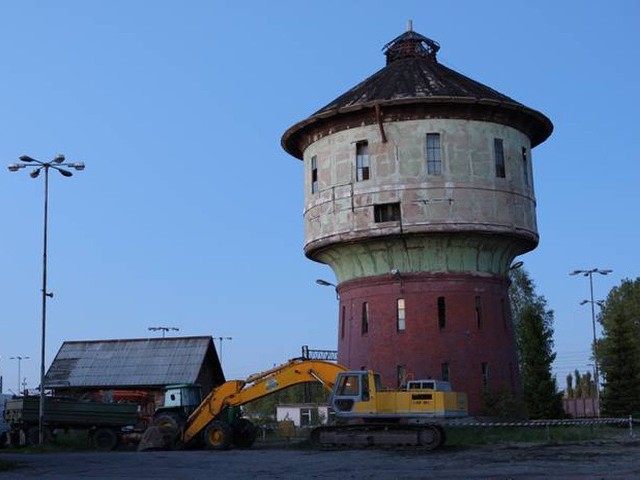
column 218, row 435
column 32, row 435
column 244, row 433
column 14, row 438
column 104, row 439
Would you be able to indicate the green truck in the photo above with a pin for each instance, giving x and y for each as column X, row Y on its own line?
column 105, row 423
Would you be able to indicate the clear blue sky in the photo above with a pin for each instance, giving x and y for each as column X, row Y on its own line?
column 189, row 214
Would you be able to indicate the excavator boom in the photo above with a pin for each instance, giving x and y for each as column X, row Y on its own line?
column 236, row 393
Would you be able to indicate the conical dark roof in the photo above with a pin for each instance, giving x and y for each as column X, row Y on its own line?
column 413, row 79
column 412, row 72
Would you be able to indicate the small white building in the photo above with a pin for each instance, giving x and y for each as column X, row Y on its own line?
column 303, row 414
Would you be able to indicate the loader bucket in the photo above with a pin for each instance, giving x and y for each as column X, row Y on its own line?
column 157, row 438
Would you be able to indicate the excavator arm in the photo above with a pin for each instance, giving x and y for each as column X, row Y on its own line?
column 236, row 393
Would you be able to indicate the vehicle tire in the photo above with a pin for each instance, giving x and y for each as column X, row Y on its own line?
column 244, row 433
column 14, row 438
column 430, row 437
column 169, row 425
column 104, row 439
column 167, row 421
column 218, row 435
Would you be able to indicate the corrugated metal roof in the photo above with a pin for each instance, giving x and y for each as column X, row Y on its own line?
column 128, row 362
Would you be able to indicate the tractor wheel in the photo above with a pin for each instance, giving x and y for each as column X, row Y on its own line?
column 104, row 439
column 244, row 433
column 218, row 435
column 169, row 426
column 167, row 421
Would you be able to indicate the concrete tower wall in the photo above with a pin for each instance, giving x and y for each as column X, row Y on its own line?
column 466, row 198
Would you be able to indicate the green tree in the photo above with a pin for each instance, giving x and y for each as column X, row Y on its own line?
column 619, row 349
column 570, row 391
column 579, row 384
column 534, row 340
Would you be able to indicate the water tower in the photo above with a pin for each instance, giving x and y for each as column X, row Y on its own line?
column 419, row 195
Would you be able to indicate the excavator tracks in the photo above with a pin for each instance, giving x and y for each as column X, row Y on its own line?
column 378, row 435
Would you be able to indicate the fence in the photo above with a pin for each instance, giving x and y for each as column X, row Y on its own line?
column 628, row 421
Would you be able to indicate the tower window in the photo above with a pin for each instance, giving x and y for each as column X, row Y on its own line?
column 442, row 313
column 342, row 321
column 444, row 371
column 498, row 151
column 434, row 162
column 479, row 312
column 401, row 325
column 362, row 161
column 525, row 167
column 485, row 374
column 365, row 317
column 386, row 212
column 314, row 174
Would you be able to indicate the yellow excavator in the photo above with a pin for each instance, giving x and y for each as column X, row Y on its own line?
column 366, row 414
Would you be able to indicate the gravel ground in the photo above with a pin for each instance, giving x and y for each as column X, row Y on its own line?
column 612, row 459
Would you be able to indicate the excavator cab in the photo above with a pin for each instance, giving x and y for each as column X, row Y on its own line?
column 354, row 390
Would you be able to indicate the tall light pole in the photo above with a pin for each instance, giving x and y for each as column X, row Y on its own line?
column 19, row 358
column 221, row 339
column 589, row 273
column 57, row 163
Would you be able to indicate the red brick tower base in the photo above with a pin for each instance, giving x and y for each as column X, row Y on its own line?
column 456, row 327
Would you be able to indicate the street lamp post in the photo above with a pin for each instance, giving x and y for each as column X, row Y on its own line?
column 589, row 273
column 221, row 339
column 57, row 163
column 19, row 358
column 324, row 283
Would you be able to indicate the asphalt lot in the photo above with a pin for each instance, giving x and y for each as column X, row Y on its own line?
column 588, row 460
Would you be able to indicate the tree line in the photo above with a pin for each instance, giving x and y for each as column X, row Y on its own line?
column 618, row 351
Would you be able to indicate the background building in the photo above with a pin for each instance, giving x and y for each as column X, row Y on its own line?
column 133, row 370
column 419, row 195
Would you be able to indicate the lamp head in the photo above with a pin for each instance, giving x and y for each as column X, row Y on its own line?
column 59, row 158
column 26, row 158
column 14, row 167
column 78, row 166
column 64, row 173
column 35, row 173
column 583, row 302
